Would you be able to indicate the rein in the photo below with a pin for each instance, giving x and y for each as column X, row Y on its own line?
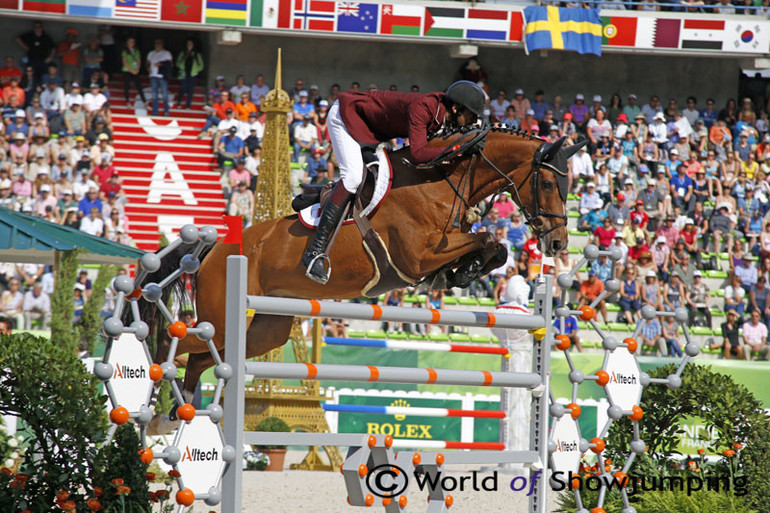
column 477, row 137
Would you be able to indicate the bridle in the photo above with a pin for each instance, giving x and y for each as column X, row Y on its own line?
column 476, row 138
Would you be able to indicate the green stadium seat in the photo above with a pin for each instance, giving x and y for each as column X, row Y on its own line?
column 573, row 214
column 410, row 299
column 618, row 326
column 573, row 197
column 395, row 335
column 459, row 337
column 611, row 307
column 438, row 337
column 486, row 301
column 375, row 334
column 574, row 251
column 716, row 274
column 450, row 300
column 356, row 334
column 700, row 330
column 469, row 301
column 416, row 336
column 494, row 340
column 481, row 339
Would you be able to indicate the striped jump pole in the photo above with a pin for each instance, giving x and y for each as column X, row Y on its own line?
column 416, row 345
column 403, row 375
column 413, row 411
column 367, row 312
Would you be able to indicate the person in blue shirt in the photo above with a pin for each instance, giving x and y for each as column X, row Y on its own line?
column 709, row 114
column 603, row 268
column 18, row 124
column 592, row 220
column 89, row 201
column 570, row 329
column 301, row 109
column 539, row 105
column 681, row 187
column 517, row 231
column 315, row 165
column 231, row 147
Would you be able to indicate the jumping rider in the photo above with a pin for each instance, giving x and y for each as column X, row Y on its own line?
column 360, row 120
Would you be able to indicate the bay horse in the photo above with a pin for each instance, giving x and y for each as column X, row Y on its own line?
column 415, row 221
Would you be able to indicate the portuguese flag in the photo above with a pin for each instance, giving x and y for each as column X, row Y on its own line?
column 54, row 6
column 618, row 31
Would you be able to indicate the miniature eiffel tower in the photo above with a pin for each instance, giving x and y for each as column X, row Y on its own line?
column 299, row 406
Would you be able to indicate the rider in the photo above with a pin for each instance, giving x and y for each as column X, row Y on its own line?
column 360, row 120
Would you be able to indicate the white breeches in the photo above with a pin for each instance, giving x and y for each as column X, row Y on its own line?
column 346, row 149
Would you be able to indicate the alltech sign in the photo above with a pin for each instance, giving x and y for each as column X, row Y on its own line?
column 201, row 464
column 131, row 372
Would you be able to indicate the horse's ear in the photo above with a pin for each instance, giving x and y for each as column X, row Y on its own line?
column 571, row 150
column 553, row 149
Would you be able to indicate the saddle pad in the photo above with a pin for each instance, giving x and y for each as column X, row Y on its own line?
column 311, row 215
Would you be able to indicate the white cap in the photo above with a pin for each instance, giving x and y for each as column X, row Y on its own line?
column 651, row 274
column 45, row 188
column 632, row 95
column 530, row 112
column 660, row 240
column 518, row 91
column 619, row 221
column 659, row 115
column 43, row 170
column 652, row 181
column 5, row 184
column 314, row 87
column 674, row 152
column 689, row 220
column 628, row 182
column 590, row 184
column 597, row 98
column 77, row 101
column 20, row 114
column 579, row 96
column 39, row 115
column 303, row 93
column 220, row 77
column 40, row 153
column 697, row 273
column 323, row 103
column 80, row 286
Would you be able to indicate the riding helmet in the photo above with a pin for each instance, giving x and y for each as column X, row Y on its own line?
column 468, row 95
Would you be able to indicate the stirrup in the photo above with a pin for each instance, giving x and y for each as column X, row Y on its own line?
column 319, row 279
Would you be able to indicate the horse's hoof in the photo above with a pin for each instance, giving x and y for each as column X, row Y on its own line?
column 161, row 425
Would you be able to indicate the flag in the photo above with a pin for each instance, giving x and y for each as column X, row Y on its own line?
column 314, row 15
column 357, row 17
column 618, row 31
column 517, row 26
column 91, row 8
column 703, row 34
column 744, row 36
column 226, row 12
column 444, row 22
column 562, row 28
column 190, row 11
column 9, row 4
column 53, row 6
column 271, row 13
column 234, row 233
column 487, row 24
column 402, row 19
column 137, row 9
column 666, row 33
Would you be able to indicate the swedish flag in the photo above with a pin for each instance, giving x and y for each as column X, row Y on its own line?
column 562, row 28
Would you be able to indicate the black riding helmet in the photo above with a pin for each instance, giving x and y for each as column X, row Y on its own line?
column 467, row 94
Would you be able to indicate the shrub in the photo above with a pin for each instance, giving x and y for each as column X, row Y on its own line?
column 120, row 466
column 273, row 424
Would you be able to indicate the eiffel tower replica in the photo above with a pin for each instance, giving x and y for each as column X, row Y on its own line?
column 299, row 406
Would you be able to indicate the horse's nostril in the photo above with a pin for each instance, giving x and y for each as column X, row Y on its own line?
column 556, row 245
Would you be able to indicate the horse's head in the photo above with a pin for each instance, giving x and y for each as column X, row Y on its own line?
column 536, row 174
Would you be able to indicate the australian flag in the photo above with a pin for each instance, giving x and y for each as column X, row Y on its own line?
column 357, row 17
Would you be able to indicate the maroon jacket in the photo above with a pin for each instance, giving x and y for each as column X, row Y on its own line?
column 378, row 116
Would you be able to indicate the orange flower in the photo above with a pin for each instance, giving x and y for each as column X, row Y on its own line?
column 94, row 504
column 174, row 473
column 6, row 471
column 68, row 506
column 729, row 453
column 21, row 477
column 737, row 446
column 123, row 490
column 151, row 476
column 116, row 482
column 162, row 494
column 701, row 451
column 98, row 491
column 62, row 495
column 14, row 484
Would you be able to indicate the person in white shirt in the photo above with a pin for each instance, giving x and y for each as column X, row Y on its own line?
column 52, row 100
column 73, row 95
column 498, row 106
column 259, row 90
column 658, row 129
column 36, row 305
column 157, row 61
column 691, row 113
column 93, row 223
column 93, row 101
column 240, row 87
column 305, row 137
column 590, row 199
column 226, row 124
column 82, row 185
column 582, row 166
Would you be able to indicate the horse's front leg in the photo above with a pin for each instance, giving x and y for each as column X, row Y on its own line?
column 469, row 253
column 476, row 265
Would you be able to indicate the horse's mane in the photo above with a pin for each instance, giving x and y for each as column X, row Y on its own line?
column 460, row 130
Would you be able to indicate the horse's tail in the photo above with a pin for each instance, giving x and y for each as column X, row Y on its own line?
column 181, row 291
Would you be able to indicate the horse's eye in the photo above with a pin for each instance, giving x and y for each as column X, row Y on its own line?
column 547, row 185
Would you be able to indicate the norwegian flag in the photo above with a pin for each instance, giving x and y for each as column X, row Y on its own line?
column 314, row 15
column 137, row 9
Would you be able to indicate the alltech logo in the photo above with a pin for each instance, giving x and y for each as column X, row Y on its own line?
column 129, row 372
column 198, row 454
column 566, row 446
column 622, row 378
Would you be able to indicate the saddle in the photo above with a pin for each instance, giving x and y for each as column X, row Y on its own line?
column 386, row 275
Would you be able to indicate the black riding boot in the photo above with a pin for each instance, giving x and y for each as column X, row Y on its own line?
column 314, row 257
